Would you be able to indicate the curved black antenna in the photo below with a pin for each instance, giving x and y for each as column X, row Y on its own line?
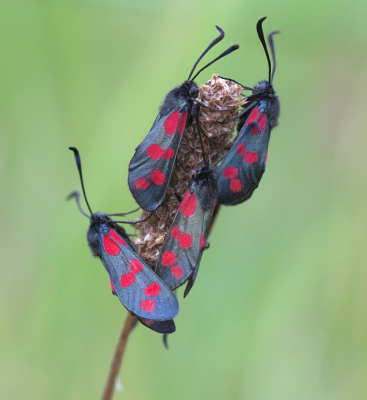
column 260, row 33
column 76, row 196
column 123, row 214
column 272, row 49
column 212, row 44
column 225, row 53
column 79, row 165
column 134, row 222
column 240, row 84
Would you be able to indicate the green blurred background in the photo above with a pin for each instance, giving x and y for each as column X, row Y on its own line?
column 279, row 307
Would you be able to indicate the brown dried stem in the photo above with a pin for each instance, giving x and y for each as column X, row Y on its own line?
column 117, row 358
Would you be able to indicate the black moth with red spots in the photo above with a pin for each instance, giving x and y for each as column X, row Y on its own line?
column 151, row 167
column 182, row 249
column 244, row 164
column 138, row 288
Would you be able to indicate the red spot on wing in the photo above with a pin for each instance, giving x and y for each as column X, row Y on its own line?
column 250, row 157
column 155, row 151
column 182, row 122
column 127, row 280
column 255, row 112
column 153, row 289
column 142, row 184
column 185, row 240
column 175, row 232
column 168, row 258
column 158, row 177
column 169, row 153
column 254, row 130
column 148, row 305
column 184, row 201
column 262, row 122
column 177, row 271
column 190, row 206
column 112, row 286
column 202, row 241
column 116, row 237
column 110, row 246
column 170, row 124
column 235, row 185
column 135, row 265
column 230, row 172
column 241, row 148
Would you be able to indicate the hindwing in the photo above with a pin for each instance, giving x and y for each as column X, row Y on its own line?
column 165, row 327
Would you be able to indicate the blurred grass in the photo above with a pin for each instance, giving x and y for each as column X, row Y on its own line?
column 278, row 311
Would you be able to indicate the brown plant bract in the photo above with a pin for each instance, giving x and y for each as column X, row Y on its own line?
column 216, row 93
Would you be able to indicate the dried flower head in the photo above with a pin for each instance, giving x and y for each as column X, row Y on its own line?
column 219, row 94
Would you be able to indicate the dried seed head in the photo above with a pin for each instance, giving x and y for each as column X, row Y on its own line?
column 217, row 93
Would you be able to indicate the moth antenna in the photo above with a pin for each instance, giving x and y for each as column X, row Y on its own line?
column 225, row 53
column 79, row 165
column 240, row 84
column 76, row 196
column 135, row 222
column 212, row 44
column 123, row 214
column 272, row 49
column 260, row 33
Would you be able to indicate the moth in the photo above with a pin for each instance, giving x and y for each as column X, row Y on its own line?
column 242, row 167
column 181, row 253
column 151, row 167
column 138, row 288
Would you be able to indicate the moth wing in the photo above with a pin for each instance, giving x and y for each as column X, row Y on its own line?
column 243, row 166
column 164, row 327
column 151, row 167
column 139, row 289
column 192, row 278
column 182, row 248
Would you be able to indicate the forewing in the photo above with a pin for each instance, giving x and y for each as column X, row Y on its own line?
column 192, row 277
column 244, row 164
column 182, row 248
column 151, row 167
column 139, row 289
column 165, row 327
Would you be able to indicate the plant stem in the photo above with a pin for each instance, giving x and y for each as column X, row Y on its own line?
column 117, row 358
